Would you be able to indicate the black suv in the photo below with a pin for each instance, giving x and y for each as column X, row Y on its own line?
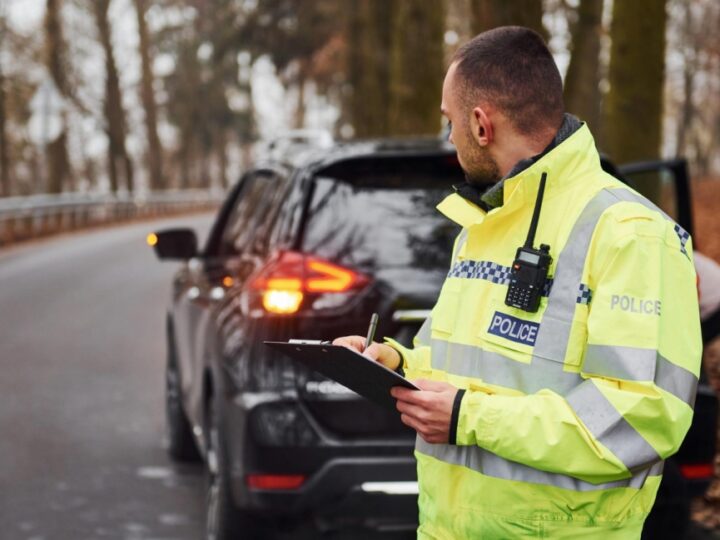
column 308, row 245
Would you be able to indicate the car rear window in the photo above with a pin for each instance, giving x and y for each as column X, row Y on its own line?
column 377, row 213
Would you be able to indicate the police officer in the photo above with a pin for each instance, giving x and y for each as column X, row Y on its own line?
column 550, row 419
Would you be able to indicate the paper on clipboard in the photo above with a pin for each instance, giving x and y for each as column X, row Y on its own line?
column 357, row 372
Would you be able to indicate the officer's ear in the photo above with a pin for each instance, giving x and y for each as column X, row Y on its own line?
column 481, row 126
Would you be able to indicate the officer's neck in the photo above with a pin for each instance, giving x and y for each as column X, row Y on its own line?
column 514, row 147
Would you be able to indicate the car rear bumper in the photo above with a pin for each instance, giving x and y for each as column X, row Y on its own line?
column 377, row 493
column 365, row 482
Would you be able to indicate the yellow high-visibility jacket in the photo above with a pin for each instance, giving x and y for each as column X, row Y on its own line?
column 565, row 415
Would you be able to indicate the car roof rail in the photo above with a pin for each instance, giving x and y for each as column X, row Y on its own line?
column 293, row 141
column 415, row 143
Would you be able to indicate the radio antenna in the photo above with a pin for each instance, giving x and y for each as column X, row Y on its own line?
column 536, row 213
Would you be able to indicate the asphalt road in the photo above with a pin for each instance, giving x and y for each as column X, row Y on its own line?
column 81, row 393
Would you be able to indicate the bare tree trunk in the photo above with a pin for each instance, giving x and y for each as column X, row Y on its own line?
column 300, row 107
column 155, row 151
column 222, row 158
column 58, row 160
column 203, row 180
column 5, row 189
column 395, row 72
column 487, row 14
column 459, row 20
column 369, row 70
column 246, row 155
column 416, row 69
column 633, row 117
column 128, row 170
column 118, row 158
column 186, row 159
column 34, row 183
column 690, row 66
column 582, row 91
column 687, row 113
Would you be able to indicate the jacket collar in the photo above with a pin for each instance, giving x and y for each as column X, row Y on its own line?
column 563, row 164
column 493, row 197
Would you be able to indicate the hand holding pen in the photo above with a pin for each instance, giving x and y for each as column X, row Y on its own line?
column 384, row 354
column 371, row 331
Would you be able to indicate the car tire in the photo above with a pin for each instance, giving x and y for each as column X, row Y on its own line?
column 224, row 521
column 670, row 517
column 181, row 444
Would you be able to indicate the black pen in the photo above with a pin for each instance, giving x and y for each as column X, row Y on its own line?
column 371, row 331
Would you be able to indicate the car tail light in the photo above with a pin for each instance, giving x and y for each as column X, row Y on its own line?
column 283, row 302
column 290, row 276
column 696, row 471
column 274, row 481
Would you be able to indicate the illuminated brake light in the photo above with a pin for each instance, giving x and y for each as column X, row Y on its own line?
column 697, row 470
column 289, row 275
column 282, row 302
column 270, row 481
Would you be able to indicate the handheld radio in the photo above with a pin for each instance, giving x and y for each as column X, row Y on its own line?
column 530, row 269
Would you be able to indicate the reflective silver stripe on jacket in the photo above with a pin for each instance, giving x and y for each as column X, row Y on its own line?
column 489, row 464
column 424, row 335
column 626, row 195
column 626, row 363
column 494, row 368
column 609, row 427
column 462, row 238
column 554, row 333
column 638, row 364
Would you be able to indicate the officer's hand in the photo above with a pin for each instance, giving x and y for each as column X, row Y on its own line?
column 428, row 410
column 384, row 354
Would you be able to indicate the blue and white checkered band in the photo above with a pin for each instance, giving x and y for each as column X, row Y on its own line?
column 481, row 270
column 584, row 294
column 489, row 271
column 683, row 236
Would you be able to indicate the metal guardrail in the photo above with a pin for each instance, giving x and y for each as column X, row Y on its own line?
column 23, row 218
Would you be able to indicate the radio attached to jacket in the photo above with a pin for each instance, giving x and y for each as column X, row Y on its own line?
column 530, row 269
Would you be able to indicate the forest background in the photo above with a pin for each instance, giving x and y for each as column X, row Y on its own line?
column 149, row 95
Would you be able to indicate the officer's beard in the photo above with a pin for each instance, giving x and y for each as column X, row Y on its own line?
column 480, row 168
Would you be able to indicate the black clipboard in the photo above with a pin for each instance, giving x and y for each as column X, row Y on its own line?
column 359, row 373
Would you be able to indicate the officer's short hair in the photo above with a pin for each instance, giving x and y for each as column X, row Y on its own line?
column 511, row 67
